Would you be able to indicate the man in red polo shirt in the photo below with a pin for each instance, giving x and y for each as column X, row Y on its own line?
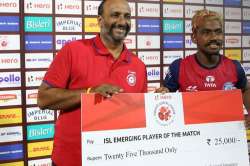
column 100, row 65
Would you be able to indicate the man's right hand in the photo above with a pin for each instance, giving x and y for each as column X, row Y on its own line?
column 106, row 90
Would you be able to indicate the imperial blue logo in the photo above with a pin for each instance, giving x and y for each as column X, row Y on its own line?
column 148, row 25
column 11, row 152
column 172, row 26
column 38, row 42
column 9, row 23
column 173, row 41
column 246, row 27
column 232, row 2
column 35, row 132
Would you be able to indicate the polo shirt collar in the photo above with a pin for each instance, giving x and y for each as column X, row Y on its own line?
column 102, row 50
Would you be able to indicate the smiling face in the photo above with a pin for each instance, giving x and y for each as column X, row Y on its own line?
column 115, row 20
column 208, row 36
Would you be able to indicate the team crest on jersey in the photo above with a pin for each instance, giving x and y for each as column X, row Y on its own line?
column 164, row 113
column 228, row 86
column 131, row 78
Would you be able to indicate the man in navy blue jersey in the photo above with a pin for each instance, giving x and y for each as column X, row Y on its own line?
column 206, row 69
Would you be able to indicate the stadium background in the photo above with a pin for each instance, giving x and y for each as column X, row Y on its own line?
column 32, row 31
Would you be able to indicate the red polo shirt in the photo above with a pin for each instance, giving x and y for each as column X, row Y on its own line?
column 82, row 64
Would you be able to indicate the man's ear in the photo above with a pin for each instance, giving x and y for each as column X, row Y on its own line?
column 193, row 38
column 99, row 20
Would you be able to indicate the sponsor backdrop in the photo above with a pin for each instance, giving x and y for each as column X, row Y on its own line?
column 32, row 31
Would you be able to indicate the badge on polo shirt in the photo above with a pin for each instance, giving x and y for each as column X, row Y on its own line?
column 131, row 78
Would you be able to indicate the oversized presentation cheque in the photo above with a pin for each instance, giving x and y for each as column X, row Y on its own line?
column 173, row 129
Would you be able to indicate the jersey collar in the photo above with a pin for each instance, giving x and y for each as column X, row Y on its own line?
column 102, row 50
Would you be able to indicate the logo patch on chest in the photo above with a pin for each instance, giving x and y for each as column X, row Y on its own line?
column 210, row 82
column 131, row 78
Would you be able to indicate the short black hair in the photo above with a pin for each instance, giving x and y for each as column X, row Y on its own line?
column 100, row 8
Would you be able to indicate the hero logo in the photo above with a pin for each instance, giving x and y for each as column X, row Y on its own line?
column 60, row 6
column 91, row 7
column 146, row 9
column 31, row 5
column 9, row 61
column 210, row 82
column 33, row 78
column 170, row 10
